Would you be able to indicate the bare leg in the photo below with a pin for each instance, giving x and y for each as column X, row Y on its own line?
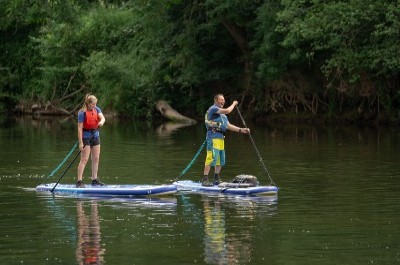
column 217, row 169
column 84, row 159
column 206, row 170
column 95, row 160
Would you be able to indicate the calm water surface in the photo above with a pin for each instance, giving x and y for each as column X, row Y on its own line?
column 338, row 200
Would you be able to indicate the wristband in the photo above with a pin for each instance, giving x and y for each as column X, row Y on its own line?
column 240, row 130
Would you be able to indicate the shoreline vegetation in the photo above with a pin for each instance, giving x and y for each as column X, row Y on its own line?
column 283, row 61
column 167, row 114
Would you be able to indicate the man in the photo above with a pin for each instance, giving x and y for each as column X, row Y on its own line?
column 217, row 124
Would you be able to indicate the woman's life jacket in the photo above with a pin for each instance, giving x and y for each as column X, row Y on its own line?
column 91, row 121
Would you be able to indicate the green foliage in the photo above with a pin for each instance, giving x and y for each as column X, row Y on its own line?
column 125, row 64
column 355, row 42
column 313, row 55
column 272, row 61
column 346, row 36
column 18, row 20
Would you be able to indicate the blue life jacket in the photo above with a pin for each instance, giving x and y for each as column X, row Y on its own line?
column 219, row 124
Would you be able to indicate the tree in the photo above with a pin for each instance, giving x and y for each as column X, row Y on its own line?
column 345, row 39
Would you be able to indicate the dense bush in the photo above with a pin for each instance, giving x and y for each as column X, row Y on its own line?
column 304, row 57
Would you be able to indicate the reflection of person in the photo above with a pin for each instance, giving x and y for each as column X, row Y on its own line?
column 221, row 246
column 90, row 118
column 88, row 249
column 214, row 233
column 217, row 124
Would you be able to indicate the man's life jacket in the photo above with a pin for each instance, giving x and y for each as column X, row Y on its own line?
column 219, row 124
column 91, row 121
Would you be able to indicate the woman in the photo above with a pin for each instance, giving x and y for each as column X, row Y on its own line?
column 90, row 118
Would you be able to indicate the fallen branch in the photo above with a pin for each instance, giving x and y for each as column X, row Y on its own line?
column 168, row 112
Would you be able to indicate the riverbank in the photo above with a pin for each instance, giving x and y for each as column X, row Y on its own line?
column 344, row 118
column 40, row 112
column 281, row 119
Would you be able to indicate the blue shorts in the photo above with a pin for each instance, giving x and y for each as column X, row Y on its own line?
column 91, row 141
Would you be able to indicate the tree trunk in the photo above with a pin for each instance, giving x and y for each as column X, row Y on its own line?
column 238, row 34
column 168, row 112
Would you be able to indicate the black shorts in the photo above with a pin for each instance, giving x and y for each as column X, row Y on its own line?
column 91, row 141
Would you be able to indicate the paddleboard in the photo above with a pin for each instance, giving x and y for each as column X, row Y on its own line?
column 110, row 190
column 227, row 188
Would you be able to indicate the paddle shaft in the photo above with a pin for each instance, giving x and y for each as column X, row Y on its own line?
column 255, row 147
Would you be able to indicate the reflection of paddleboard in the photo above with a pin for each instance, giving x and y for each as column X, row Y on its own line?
column 111, row 190
column 227, row 188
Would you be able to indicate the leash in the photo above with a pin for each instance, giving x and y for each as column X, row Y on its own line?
column 193, row 160
column 63, row 162
column 255, row 147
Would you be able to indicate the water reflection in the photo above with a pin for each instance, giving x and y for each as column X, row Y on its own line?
column 214, row 232
column 229, row 226
column 49, row 123
column 166, row 203
column 338, row 202
column 167, row 128
column 89, row 249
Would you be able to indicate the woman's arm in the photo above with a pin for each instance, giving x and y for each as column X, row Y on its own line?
column 102, row 119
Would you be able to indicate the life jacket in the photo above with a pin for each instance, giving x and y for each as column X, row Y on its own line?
column 91, row 121
column 219, row 124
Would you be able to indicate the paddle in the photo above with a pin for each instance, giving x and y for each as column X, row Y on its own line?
column 254, row 145
column 70, row 164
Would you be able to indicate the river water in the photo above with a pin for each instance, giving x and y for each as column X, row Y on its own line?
column 338, row 199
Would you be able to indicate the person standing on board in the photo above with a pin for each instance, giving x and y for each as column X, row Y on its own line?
column 90, row 118
column 217, row 124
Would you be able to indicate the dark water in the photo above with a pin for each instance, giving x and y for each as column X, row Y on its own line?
column 338, row 200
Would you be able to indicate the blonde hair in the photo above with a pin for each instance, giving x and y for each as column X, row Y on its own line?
column 88, row 99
